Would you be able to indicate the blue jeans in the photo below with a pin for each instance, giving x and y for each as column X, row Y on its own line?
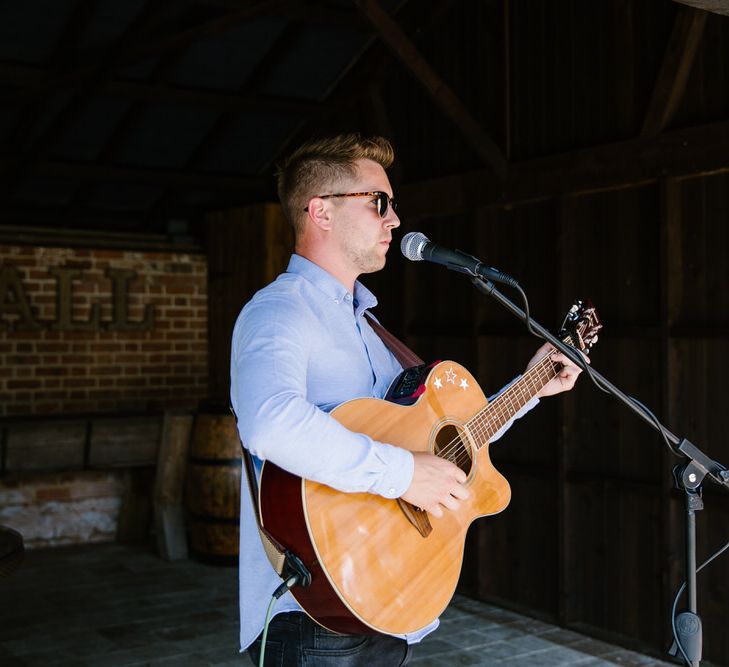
column 294, row 640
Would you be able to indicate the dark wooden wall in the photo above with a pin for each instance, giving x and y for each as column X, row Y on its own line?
column 593, row 538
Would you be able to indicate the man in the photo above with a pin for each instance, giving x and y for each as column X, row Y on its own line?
column 301, row 347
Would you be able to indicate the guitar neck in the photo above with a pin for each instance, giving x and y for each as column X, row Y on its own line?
column 484, row 425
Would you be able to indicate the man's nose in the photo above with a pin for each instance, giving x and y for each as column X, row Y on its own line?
column 392, row 221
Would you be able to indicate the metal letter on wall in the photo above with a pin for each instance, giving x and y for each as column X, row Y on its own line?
column 13, row 301
column 120, row 279
column 64, row 303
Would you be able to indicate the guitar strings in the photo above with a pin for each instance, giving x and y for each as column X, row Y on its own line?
column 504, row 408
column 482, row 429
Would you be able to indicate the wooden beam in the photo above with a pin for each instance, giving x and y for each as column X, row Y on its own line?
column 694, row 151
column 442, row 94
column 107, row 173
column 154, row 45
column 714, row 6
column 677, row 63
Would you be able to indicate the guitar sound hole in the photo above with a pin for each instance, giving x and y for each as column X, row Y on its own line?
column 451, row 443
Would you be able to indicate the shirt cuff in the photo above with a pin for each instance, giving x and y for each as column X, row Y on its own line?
column 398, row 472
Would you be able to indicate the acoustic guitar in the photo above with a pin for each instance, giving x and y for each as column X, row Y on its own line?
column 381, row 565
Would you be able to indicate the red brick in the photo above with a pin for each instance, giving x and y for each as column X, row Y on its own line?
column 77, row 359
column 103, row 347
column 153, row 346
column 46, row 408
column 176, row 381
column 131, row 382
column 130, row 358
column 108, row 370
column 45, row 371
column 23, row 384
column 178, row 335
column 79, row 382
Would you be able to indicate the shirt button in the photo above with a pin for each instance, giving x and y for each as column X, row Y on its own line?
column 391, row 491
column 347, row 297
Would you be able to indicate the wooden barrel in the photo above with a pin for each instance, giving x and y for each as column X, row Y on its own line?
column 212, row 489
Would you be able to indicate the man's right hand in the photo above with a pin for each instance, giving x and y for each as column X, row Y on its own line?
column 436, row 484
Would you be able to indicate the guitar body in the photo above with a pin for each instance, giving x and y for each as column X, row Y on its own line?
column 372, row 569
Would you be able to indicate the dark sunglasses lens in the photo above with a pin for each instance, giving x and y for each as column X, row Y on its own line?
column 382, row 204
column 383, row 201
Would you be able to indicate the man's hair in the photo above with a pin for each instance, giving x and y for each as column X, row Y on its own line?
column 318, row 166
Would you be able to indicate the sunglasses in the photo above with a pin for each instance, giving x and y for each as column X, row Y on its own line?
column 382, row 198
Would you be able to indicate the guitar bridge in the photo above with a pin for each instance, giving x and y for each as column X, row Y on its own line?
column 417, row 517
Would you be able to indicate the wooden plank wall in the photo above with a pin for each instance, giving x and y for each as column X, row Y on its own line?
column 593, row 538
column 247, row 248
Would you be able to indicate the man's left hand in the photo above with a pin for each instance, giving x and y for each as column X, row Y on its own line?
column 566, row 377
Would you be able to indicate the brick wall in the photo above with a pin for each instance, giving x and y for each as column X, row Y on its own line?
column 71, row 341
column 63, row 508
column 90, row 331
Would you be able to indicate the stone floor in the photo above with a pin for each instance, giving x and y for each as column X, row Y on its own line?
column 116, row 605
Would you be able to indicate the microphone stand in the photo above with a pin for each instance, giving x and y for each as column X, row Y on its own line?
column 688, row 477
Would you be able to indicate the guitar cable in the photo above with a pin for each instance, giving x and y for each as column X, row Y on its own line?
column 285, row 586
column 678, row 595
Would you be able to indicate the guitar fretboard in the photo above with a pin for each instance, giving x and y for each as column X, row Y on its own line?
column 486, row 423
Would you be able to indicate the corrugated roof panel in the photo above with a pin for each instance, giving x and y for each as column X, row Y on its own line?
column 166, row 135
column 92, row 128
column 313, row 62
column 250, row 143
column 227, row 60
column 29, row 30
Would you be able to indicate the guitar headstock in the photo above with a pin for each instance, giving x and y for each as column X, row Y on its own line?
column 581, row 325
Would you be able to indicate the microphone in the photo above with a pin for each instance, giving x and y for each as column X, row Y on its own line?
column 416, row 247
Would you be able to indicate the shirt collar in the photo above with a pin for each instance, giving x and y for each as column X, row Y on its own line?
column 327, row 283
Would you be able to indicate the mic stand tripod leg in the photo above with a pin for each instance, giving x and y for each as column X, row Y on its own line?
column 688, row 623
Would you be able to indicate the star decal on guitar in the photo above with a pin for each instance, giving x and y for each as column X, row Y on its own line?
column 451, row 376
column 437, row 383
column 464, row 384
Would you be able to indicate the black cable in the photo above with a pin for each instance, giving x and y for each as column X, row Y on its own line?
column 678, row 595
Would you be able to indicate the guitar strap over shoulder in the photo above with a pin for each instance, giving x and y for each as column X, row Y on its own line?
column 276, row 553
column 405, row 356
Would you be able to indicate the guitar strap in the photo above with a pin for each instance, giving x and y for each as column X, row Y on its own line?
column 276, row 553
column 405, row 356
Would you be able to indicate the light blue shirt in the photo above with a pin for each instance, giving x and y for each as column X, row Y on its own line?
column 301, row 347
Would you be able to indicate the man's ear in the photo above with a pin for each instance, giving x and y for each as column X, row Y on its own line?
column 319, row 212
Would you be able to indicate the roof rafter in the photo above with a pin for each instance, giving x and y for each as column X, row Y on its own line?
column 87, row 64
column 437, row 88
column 701, row 150
column 31, row 77
column 678, row 60
column 105, row 173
